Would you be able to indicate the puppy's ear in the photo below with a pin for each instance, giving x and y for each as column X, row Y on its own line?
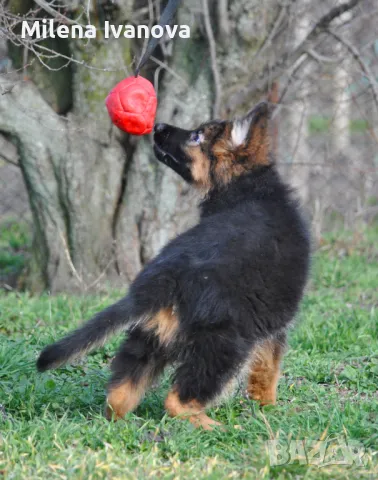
column 250, row 134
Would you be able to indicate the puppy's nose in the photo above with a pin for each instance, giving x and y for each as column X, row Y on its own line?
column 159, row 127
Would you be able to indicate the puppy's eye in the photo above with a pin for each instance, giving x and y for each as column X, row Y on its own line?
column 195, row 138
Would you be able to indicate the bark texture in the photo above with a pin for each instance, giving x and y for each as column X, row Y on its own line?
column 73, row 182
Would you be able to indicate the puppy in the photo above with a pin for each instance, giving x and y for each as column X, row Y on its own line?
column 217, row 300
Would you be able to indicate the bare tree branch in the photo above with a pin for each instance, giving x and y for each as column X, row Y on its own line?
column 213, row 56
column 8, row 160
column 268, row 40
column 169, row 70
column 321, row 58
column 272, row 72
column 223, row 23
column 358, row 58
column 69, row 259
column 54, row 13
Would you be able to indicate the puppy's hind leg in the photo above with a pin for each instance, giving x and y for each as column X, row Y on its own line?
column 191, row 410
column 265, row 370
column 208, row 364
column 139, row 360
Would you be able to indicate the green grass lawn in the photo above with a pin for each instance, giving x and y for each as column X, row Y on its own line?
column 14, row 250
column 51, row 424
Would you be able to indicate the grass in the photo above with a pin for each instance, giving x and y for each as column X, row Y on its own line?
column 14, row 245
column 322, row 124
column 51, row 424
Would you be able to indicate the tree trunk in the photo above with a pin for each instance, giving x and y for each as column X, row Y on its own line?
column 102, row 205
column 72, row 181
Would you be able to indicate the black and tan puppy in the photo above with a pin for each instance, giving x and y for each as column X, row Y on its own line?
column 217, row 300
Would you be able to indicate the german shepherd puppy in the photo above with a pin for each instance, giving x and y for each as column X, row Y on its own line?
column 218, row 299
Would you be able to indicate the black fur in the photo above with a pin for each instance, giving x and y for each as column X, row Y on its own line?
column 90, row 335
column 234, row 279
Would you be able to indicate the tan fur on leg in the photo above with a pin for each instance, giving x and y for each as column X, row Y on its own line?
column 192, row 411
column 125, row 398
column 265, row 372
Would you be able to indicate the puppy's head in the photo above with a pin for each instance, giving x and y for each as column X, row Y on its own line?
column 218, row 151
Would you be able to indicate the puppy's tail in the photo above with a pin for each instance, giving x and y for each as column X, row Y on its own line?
column 91, row 335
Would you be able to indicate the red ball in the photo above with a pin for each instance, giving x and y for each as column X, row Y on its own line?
column 132, row 105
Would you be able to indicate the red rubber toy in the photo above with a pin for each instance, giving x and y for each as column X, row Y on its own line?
column 132, row 105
